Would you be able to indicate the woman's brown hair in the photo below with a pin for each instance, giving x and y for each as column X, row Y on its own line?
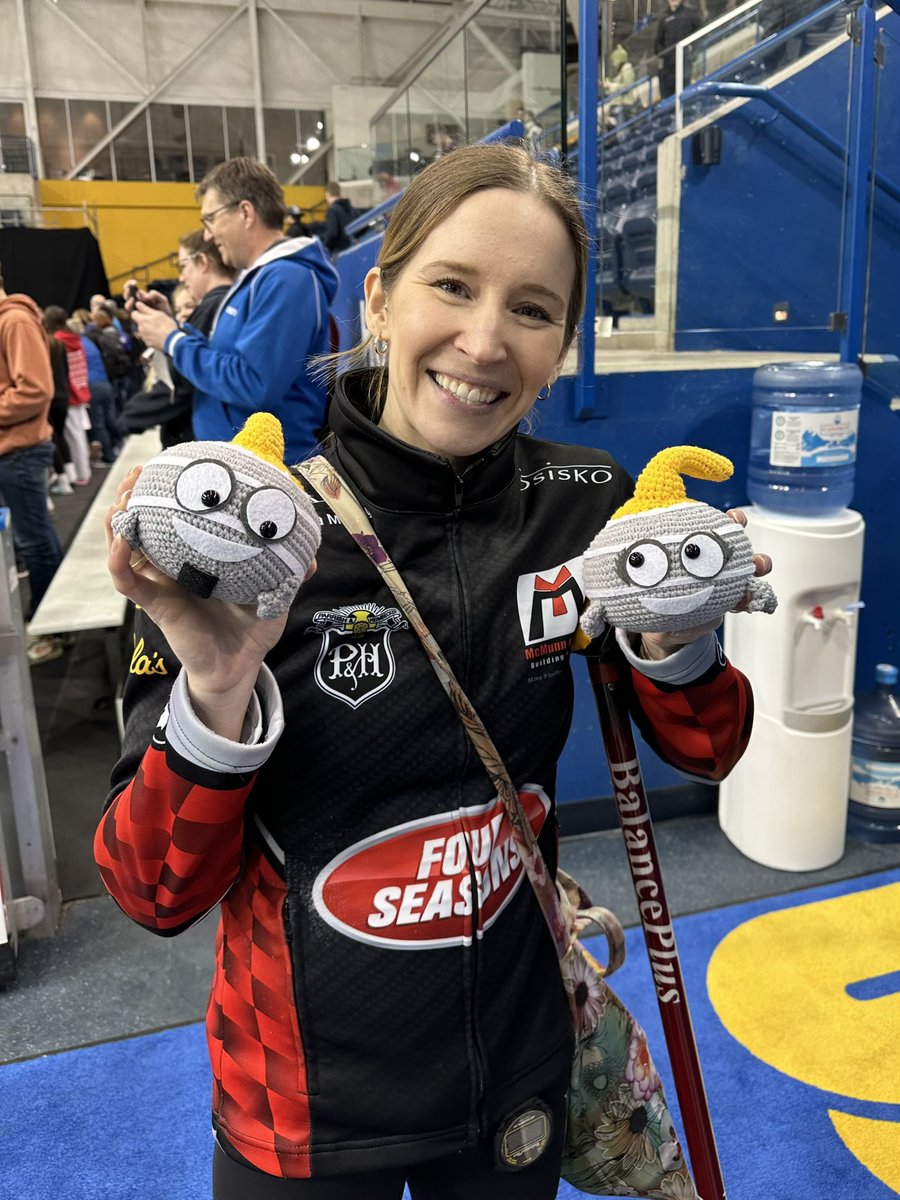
column 440, row 189
column 437, row 192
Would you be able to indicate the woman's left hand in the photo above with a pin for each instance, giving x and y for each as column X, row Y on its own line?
column 655, row 646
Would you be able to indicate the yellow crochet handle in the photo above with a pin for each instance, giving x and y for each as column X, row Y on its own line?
column 263, row 436
column 660, row 485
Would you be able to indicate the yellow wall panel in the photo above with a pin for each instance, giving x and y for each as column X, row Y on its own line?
column 137, row 223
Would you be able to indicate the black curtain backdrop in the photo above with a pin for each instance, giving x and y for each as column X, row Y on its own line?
column 53, row 266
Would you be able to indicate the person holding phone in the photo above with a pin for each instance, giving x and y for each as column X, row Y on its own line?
column 274, row 319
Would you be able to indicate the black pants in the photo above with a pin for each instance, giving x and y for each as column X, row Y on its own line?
column 467, row 1175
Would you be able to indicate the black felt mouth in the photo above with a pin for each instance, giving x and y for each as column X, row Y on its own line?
column 197, row 582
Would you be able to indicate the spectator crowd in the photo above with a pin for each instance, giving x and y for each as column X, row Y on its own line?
column 237, row 335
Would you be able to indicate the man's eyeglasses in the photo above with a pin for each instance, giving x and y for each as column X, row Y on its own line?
column 206, row 219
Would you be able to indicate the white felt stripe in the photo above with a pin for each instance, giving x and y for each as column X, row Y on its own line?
column 628, row 589
column 181, row 460
column 731, row 529
column 241, row 550
column 217, row 548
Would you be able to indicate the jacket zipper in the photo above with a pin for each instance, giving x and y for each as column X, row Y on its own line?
column 477, row 1051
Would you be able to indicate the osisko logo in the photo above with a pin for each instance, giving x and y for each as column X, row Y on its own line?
column 410, row 887
column 565, row 473
column 550, row 601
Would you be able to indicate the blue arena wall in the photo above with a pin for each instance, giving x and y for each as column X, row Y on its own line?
column 762, row 226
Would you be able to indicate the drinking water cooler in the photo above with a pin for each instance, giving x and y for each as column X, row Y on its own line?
column 785, row 803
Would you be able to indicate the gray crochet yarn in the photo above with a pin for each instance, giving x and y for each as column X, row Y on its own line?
column 670, row 568
column 224, row 523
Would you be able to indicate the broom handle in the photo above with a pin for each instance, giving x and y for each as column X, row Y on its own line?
column 643, row 861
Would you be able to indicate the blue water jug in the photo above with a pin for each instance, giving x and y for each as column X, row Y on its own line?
column 803, row 437
column 874, row 812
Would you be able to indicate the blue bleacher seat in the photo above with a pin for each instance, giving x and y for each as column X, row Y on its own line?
column 637, row 227
column 645, row 180
column 616, row 191
column 610, row 293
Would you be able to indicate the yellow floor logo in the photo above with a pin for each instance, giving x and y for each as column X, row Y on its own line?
column 814, row 991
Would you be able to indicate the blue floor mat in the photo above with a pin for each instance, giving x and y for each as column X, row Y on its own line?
column 800, row 1046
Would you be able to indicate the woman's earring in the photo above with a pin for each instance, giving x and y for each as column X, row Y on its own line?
column 546, row 395
column 381, row 350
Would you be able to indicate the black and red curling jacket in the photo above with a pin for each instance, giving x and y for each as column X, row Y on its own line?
column 385, row 988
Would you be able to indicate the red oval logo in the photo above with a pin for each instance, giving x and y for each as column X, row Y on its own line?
column 411, row 887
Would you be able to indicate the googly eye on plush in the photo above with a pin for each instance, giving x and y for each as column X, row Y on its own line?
column 226, row 520
column 270, row 514
column 704, row 554
column 644, row 563
column 204, row 486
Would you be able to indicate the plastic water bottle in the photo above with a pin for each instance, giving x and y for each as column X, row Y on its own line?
column 874, row 812
column 803, row 437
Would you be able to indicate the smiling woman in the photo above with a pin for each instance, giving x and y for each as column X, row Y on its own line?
column 471, row 343
column 367, row 852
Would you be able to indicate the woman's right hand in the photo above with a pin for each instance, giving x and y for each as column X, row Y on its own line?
column 220, row 645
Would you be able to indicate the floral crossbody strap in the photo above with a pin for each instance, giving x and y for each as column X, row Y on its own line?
column 337, row 495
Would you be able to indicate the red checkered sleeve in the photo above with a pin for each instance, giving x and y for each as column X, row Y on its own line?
column 169, row 844
column 701, row 728
column 169, row 848
column 260, row 1085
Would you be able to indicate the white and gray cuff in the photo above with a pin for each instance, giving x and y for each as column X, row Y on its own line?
column 175, row 336
column 263, row 726
column 681, row 667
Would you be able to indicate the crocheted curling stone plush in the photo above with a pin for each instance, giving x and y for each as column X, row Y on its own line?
column 663, row 562
column 226, row 519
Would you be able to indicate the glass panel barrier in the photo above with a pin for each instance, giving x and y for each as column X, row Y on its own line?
column 882, row 265
column 750, row 187
column 353, row 162
column 756, row 51
column 503, row 65
column 438, row 120
column 513, row 61
column 753, row 191
column 390, row 149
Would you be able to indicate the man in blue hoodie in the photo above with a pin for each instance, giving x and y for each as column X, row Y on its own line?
column 271, row 322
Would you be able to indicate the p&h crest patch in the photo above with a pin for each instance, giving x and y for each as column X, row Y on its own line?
column 356, row 660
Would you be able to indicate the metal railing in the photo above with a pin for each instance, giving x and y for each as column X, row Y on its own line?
column 19, row 211
column 17, row 156
column 757, row 47
column 144, row 272
column 29, row 890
